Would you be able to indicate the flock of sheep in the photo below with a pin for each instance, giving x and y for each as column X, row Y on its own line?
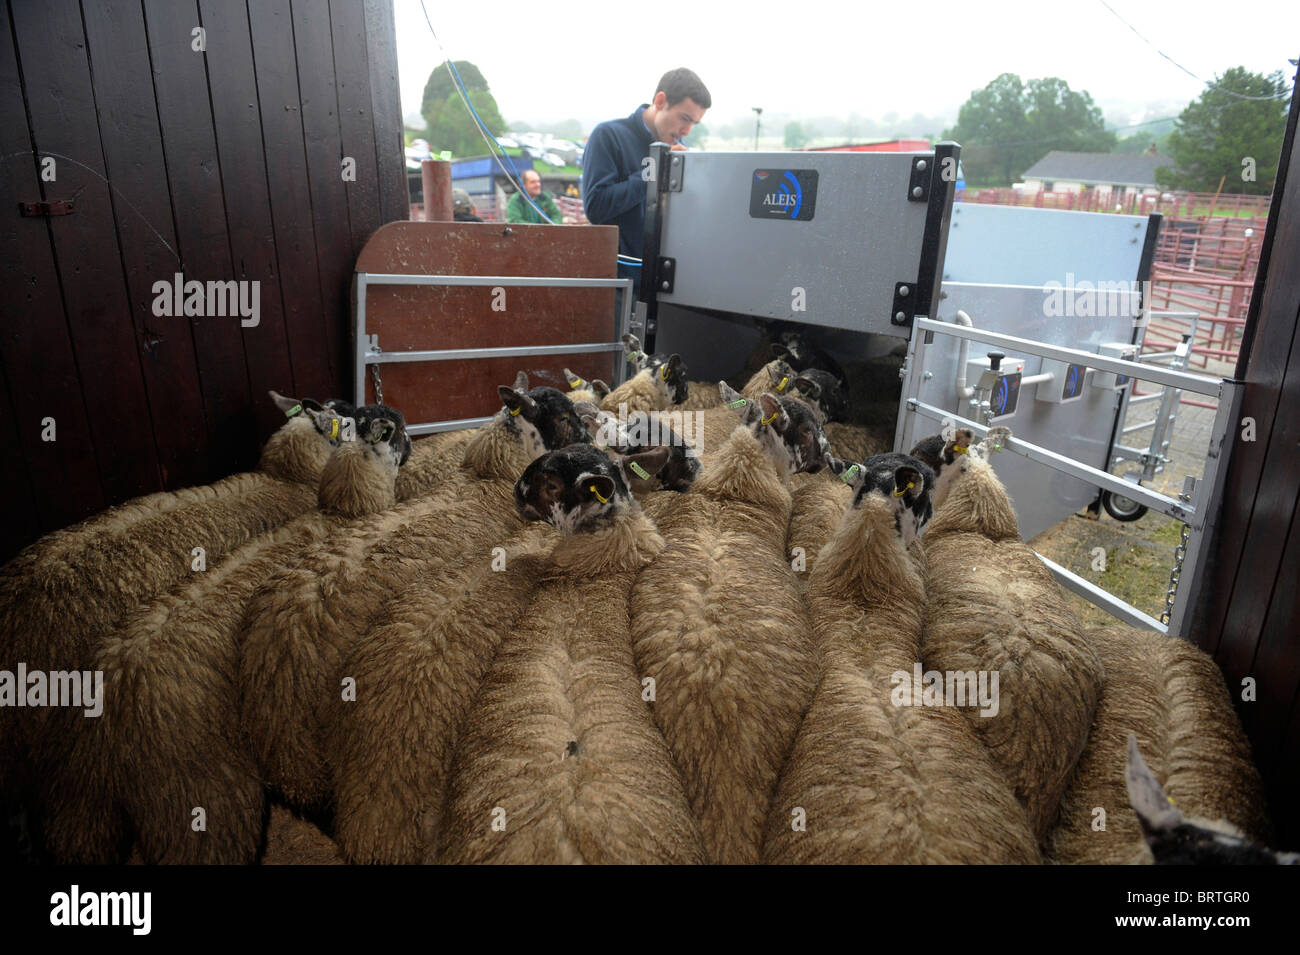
column 551, row 639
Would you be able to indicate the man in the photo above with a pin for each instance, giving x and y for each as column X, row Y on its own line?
column 518, row 210
column 463, row 207
column 613, row 189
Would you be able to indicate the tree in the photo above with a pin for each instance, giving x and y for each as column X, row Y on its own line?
column 1221, row 135
column 450, row 124
column 795, row 137
column 1009, row 125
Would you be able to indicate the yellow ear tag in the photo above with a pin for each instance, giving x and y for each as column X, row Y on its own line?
column 781, row 387
column 294, row 410
column 334, row 427
column 577, row 383
column 663, row 372
column 909, row 487
column 515, row 411
column 603, row 500
column 958, row 449
column 768, row 420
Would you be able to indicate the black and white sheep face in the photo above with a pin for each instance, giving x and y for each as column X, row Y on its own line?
column 670, row 374
column 579, row 488
column 384, row 429
column 780, row 377
column 746, row 409
column 824, row 392
column 1175, row 839
column 905, row 483
column 802, row 355
column 945, row 458
column 643, row 433
column 326, row 419
column 790, row 432
column 543, row 419
column 595, row 386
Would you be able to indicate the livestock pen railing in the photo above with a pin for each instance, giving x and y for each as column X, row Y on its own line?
column 1197, row 507
column 368, row 352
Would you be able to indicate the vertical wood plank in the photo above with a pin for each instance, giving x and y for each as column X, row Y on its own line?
column 356, row 124
column 199, row 219
column 132, row 141
column 236, row 110
column 40, row 369
column 56, row 76
column 305, row 320
column 386, row 108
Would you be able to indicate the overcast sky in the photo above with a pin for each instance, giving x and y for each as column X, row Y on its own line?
column 549, row 62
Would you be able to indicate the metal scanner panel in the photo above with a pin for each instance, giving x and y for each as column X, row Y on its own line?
column 1079, row 429
column 864, row 238
column 1013, row 245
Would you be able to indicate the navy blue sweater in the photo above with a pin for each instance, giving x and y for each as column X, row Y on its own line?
column 613, row 192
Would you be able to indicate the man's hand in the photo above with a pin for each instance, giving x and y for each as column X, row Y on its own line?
column 680, row 146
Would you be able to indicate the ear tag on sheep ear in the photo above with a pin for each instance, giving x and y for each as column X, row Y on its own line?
column 515, row 411
column 738, row 403
column 577, row 384
column 958, row 449
column 334, row 427
column 639, row 471
column 781, row 387
column 850, row 474
column 296, row 409
column 909, row 487
column 603, row 500
column 663, row 372
column 769, row 420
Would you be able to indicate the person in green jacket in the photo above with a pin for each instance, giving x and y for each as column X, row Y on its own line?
column 518, row 210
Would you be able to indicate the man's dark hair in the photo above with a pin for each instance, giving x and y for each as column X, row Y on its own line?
column 680, row 83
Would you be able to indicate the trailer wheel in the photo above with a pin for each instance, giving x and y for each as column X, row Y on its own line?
column 1122, row 508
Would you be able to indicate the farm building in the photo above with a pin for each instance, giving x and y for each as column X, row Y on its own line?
column 374, row 539
column 1122, row 176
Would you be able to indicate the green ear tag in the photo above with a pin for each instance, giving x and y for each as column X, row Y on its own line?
column 640, row 472
column 848, row 476
column 738, row 403
column 294, row 410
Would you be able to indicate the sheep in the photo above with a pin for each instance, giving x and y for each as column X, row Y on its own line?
column 171, row 691
column 301, row 623
column 874, row 776
column 1173, row 839
column 719, row 627
column 824, row 392
column 641, row 432
column 701, row 395
column 1172, row 695
column 560, row 761
column 291, row 840
column 660, row 382
column 582, row 390
column 794, row 346
column 62, row 594
column 417, row 672
column 993, row 606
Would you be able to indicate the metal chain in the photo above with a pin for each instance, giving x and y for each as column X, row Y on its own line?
column 379, row 385
column 1180, row 553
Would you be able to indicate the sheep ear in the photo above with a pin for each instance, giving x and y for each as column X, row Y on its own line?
column 671, row 365
column 518, row 402
column 808, row 387
column 290, row 406
column 584, row 408
column 727, row 393
column 960, row 443
column 780, row 376
column 596, row 487
column 651, row 461
column 1153, row 808
column 779, row 350
column 573, row 380
column 521, row 381
column 327, row 422
column 908, row 483
column 599, row 388
column 773, row 413
column 995, row 440
column 591, row 423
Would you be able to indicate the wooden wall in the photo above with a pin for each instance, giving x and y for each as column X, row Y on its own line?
column 1249, row 614
column 220, row 164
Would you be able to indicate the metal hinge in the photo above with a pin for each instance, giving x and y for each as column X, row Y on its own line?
column 904, row 303
column 47, row 207
column 676, row 169
column 667, row 273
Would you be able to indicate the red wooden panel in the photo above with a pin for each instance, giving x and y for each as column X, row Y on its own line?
column 408, row 318
column 61, row 106
column 128, row 124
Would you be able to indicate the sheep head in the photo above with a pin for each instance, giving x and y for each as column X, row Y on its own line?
column 1175, row 839
column 543, row 419
column 791, row 434
column 946, row 457
column 903, row 482
column 579, row 489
